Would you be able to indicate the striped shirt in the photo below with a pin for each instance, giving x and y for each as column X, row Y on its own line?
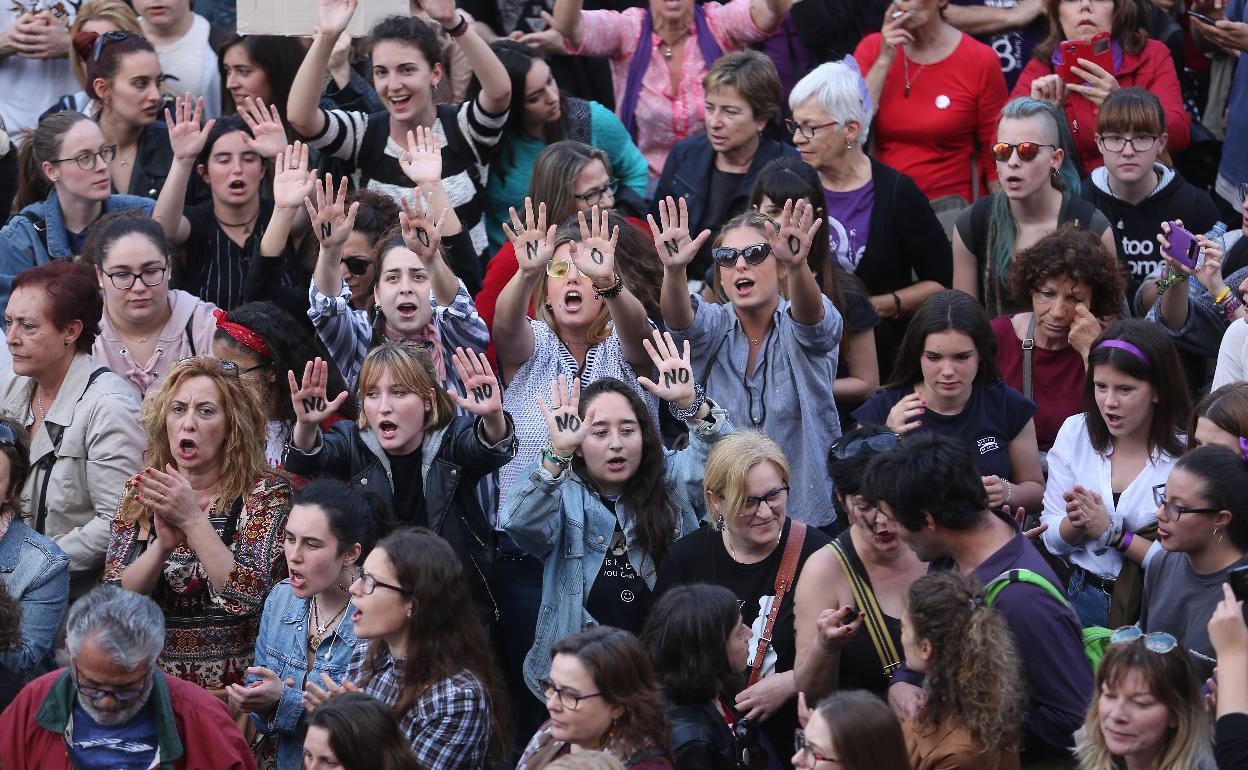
column 467, row 133
column 216, row 267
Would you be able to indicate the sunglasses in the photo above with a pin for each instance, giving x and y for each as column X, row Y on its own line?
column 1158, row 641
column 6, row 435
column 559, row 268
column 357, row 265
column 1003, row 151
column 876, row 443
column 726, row 256
column 112, row 36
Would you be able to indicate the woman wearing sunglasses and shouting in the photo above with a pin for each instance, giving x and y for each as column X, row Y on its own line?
column 1039, row 193
column 770, row 351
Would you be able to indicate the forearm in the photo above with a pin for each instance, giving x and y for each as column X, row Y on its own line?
column 144, row 572
column 1026, row 494
column 304, row 436
column 494, row 428
column 327, row 276
column 1233, row 682
column 804, row 293
column 819, row 673
column 216, row 557
column 435, row 194
column 303, row 103
column 442, row 279
column 1174, row 305
column 495, row 93
column 877, row 75
column 568, row 21
column 767, row 14
column 511, row 326
column 632, row 325
column 273, row 244
column 1070, row 533
column 172, row 199
column 674, row 300
column 982, row 20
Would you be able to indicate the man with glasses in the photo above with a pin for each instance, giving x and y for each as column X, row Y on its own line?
column 113, row 707
column 929, row 485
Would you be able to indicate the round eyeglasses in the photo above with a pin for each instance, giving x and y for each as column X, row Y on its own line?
column 567, row 698
column 86, row 160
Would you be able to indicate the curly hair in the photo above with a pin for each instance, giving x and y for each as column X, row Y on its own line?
column 73, row 294
column 1074, row 253
column 689, row 618
column 622, row 673
column 975, row 677
column 444, row 635
column 600, row 328
column 646, row 494
column 242, row 453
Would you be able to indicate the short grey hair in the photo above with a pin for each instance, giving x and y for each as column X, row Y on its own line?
column 129, row 627
column 837, row 90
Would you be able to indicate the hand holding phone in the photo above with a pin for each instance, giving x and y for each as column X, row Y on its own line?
column 1098, row 50
column 1203, row 19
column 851, row 614
column 1238, row 580
column 1183, row 247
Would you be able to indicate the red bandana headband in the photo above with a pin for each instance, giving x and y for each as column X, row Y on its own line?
column 242, row 334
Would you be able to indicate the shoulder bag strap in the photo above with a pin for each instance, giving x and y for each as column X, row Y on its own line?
column 190, row 333
column 1028, row 345
column 872, row 616
column 784, row 582
column 56, row 432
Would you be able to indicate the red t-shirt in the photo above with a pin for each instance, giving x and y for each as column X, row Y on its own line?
column 1056, row 379
column 931, row 135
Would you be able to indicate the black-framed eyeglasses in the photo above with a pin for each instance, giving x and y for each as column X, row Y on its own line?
column 1003, row 151
column 368, row 583
column 357, row 265
column 86, row 160
column 774, row 499
column 876, row 443
column 7, row 437
column 569, row 700
column 112, row 36
column 1157, row 641
column 1174, row 510
column 234, row 367
column 152, row 276
column 726, row 256
column 594, row 196
column 127, row 694
column 806, row 129
column 809, row 755
column 1116, row 143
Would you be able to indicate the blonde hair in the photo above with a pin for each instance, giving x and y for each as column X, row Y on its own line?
column 600, row 328
column 115, row 11
column 242, row 453
column 731, row 459
column 411, row 366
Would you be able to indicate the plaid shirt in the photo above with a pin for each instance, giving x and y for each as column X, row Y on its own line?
column 448, row 726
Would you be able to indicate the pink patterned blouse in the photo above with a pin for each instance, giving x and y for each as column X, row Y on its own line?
column 664, row 118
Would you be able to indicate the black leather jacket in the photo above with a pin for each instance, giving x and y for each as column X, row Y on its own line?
column 455, row 458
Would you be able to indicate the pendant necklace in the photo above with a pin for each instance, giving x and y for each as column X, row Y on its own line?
column 905, row 63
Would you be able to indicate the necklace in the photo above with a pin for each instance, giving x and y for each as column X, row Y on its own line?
column 246, row 225
column 905, row 63
column 43, row 413
column 667, row 47
column 316, row 617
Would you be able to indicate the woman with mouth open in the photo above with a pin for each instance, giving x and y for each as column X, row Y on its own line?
column 1039, row 193
column 946, row 380
column 605, row 500
column 200, row 528
column 770, row 351
column 1105, row 462
column 409, row 446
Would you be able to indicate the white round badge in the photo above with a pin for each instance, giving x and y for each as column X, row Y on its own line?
column 943, row 102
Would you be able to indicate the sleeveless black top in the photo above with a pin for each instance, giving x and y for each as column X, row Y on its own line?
column 861, row 667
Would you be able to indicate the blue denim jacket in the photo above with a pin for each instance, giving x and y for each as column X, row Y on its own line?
column 282, row 647
column 36, row 573
column 565, row 524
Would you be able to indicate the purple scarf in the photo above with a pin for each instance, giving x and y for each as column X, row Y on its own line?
column 641, row 60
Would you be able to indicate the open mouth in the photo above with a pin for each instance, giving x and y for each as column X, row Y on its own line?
column 187, row 449
column 1113, row 420
column 387, row 429
column 616, row 463
column 238, row 186
column 355, row 616
column 407, row 309
column 743, row 285
column 297, row 580
column 400, row 102
column 884, row 538
column 573, row 301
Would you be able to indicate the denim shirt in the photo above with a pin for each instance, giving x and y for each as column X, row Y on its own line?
column 36, row 574
column 563, row 522
column 282, row 647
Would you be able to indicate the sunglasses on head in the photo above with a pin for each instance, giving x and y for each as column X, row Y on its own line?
column 1156, row 641
column 875, row 443
column 112, row 36
column 357, row 265
column 1002, row 151
column 726, row 256
column 6, row 435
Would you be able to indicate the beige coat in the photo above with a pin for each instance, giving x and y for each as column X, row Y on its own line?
column 101, row 448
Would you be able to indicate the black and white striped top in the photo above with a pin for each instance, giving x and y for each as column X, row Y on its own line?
column 468, row 134
column 216, row 266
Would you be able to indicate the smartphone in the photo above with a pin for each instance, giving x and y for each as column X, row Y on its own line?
column 1183, row 246
column 1201, row 18
column 1238, row 578
column 1097, row 50
column 852, row 614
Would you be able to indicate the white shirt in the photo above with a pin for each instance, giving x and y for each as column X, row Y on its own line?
column 1232, row 355
column 191, row 60
column 32, row 85
column 1072, row 460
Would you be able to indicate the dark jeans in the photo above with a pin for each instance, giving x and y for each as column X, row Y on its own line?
column 519, row 581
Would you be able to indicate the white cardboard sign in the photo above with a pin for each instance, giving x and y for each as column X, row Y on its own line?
column 298, row 17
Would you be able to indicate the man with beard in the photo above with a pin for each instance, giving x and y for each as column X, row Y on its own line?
column 113, row 707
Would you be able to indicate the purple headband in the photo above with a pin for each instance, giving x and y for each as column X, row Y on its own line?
column 1127, row 346
column 1243, row 448
column 867, row 104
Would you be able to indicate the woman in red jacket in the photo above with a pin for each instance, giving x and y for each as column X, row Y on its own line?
column 1137, row 61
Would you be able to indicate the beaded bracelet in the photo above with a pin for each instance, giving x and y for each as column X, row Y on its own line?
column 612, row 291
column 1171, row 279
column 459, row 29
column 684, row 415
column 548, row 452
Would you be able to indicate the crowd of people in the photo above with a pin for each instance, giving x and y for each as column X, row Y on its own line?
column 664, row 385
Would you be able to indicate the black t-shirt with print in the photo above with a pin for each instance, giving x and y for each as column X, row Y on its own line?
column 619, row 596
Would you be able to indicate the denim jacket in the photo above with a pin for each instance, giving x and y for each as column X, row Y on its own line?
column 282, row 647
column 563, row 522
column 36, row 574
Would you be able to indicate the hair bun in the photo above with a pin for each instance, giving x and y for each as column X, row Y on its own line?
column 84, row 44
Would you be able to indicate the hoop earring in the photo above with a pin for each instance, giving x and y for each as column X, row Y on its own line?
column 347, row 587
column 1217, row 535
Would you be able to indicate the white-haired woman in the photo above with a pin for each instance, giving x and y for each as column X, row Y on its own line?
column 880, row 225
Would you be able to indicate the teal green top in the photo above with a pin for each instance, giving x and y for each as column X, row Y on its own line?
column 606, row 132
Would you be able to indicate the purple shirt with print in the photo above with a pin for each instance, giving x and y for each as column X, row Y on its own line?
column 1012, row 46
column 849, row 220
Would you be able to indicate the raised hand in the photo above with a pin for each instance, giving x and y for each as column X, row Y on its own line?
column 311, row 407
column 168, row 495
column 1020, row 515
column 268, row 134
column 422, row 160
column 997, row 490
column 421, row 238
column 331, row 220
column 442, row 11
column 1049, row 88
column 485, row 397
column 894, row 32
column 186, row 137
column 334, row 16
column 675, row 370
column 567, row 429
column 594, row 256
column 672, row 239
column 1099, row 83
column 798, row 225
column 1084, row 330
column 534, row 243
column 292, row 182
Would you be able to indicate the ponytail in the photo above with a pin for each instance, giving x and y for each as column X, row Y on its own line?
column 40, row 146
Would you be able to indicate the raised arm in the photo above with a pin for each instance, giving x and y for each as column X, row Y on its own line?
column 892, row 35
column 422, row 163
column 980, row 20
column 495, row 94
column 568, row 22
column 594, row 257
column 534, row 245
column 187, row 139
column 303, row 104
column 292, row 183
column 791, row 244
column 676, row 250
column 767, row 14
column 331, row 223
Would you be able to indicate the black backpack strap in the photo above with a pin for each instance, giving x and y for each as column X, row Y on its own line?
column 56, row 432
column 1078, row 211
column 39, row 223
column 190, row 333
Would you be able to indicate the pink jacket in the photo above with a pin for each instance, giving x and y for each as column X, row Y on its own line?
column 188, row 332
